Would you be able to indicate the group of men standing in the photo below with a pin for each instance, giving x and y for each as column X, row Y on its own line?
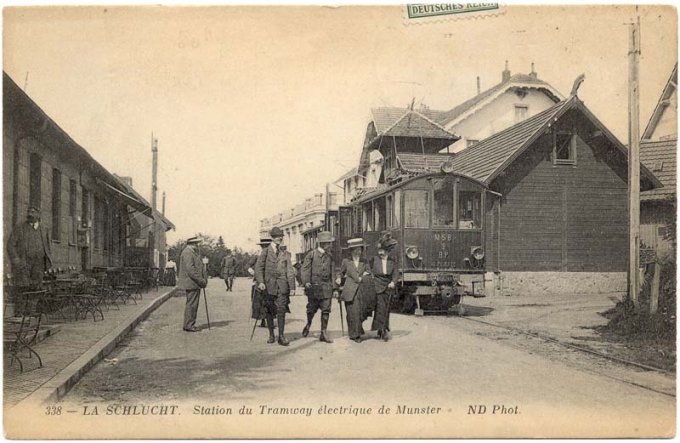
column 365, row 286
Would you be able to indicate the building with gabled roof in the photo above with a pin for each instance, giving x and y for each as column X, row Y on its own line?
column 560, row 222
column 658, row 152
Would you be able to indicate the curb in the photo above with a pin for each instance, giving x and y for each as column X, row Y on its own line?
column 57, row 387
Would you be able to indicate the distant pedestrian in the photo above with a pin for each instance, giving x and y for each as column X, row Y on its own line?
column 275, row 276
column 170, row 276
column 228, row 270
column 192, row 278
column 385, row 275
column 29, row 251
column 356, row 274
column 317, row 276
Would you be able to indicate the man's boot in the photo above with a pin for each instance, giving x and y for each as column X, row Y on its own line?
column 305, row 330
column 324, row 325
column 270, row 325
column 281, row 319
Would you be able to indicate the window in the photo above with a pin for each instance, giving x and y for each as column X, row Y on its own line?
column 564, row 148
column 35, row 178
column 469, row 210
column 521, row 113
column 56, row 204
column 443, row 204
column 368, row 216
column 379, row 214
column 72, row 191
column 417, row 209
column 396, row 220
column 389, row 210
column 85, row 208
column 98, row 223
column 346, row 222
column 106, row 212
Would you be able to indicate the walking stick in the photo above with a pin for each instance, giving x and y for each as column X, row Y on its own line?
column 205, row 297
column 342, row 317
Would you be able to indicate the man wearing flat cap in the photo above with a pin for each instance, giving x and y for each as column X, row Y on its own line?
column 316, row 273
column 28, row 247
column 275, row 276
column 192, row 278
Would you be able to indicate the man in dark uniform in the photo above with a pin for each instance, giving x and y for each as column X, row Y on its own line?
column 256, row 297
column 274, row 275
column 316, row 275
column 228, row 267
column 192, row 277
column 28, row 247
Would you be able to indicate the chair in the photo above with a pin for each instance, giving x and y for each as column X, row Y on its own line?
column 21, row 330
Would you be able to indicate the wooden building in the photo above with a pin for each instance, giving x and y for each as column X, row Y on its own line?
column 658, row 152
column 561, row 223
column 86, row 209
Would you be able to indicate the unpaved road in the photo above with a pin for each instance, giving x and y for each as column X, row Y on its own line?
column 450, row 364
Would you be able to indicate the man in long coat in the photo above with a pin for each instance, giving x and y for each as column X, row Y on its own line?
column 275, row 275
column 228, row 268
column 385, row 276
column 317, row 276
column 28, row 248
column 192, row 278
column 257, row 310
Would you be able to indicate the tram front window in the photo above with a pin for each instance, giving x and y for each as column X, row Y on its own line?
column 416, row 209
column 469, row 210
column 443, row 204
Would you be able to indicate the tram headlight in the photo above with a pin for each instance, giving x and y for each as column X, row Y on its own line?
column 477, row 253
column 412, row 252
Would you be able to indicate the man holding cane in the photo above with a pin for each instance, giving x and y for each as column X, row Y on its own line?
column 316, row 272
column 192, row 277
column 385, row 276
column 276, row 278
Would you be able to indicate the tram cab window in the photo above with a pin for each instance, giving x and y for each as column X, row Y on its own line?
column 389, row 210
column 416, row 208
column 367, row 210
column 469, row 210
column 443, row 204
column 379, row 214
column 396, row 219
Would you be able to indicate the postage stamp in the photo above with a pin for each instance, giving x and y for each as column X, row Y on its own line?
column 419, row 13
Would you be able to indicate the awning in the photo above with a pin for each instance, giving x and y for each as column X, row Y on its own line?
column 127, row 198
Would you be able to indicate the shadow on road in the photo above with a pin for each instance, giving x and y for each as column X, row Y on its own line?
column 477, row 311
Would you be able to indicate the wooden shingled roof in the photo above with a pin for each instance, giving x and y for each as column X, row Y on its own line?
column 400, row 122
column 413, row 162
column 487, row 159
column 660, row 158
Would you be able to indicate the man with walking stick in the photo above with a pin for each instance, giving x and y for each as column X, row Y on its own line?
column 192, row 278
column 317, row 276
column 276, row 278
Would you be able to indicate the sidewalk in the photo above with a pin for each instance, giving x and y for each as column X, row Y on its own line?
column 72, row 349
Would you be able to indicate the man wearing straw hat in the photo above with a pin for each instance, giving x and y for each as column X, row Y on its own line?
column 317, row 276
column 385, row 275
column 275, row 276
column 192, row 278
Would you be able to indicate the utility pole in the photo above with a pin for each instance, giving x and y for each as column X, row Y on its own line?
column 634, row 162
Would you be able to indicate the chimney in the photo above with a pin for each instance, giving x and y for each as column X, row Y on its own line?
column 533, row 73
column 163, row 205
column 506, row 73
column 479, row 86
column 154, row 171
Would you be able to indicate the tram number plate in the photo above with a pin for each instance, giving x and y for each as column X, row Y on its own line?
column 443, row 276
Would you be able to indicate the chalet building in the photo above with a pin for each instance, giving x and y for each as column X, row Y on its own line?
column 658, row 152
column 87, row 209
column 560, row 223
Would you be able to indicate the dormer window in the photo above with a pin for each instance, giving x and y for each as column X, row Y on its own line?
column 564, row 148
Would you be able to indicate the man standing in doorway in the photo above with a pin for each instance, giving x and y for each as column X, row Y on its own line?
column 317, row 270
column 192, row 278
column 276, row 278
column 228, row 267
column 28, row 247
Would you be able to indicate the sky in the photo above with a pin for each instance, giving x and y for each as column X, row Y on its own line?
column 256, row 108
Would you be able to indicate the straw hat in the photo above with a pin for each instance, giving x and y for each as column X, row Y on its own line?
column 355, row 243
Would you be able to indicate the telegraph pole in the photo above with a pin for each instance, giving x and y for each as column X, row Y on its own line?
column 634, row 162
